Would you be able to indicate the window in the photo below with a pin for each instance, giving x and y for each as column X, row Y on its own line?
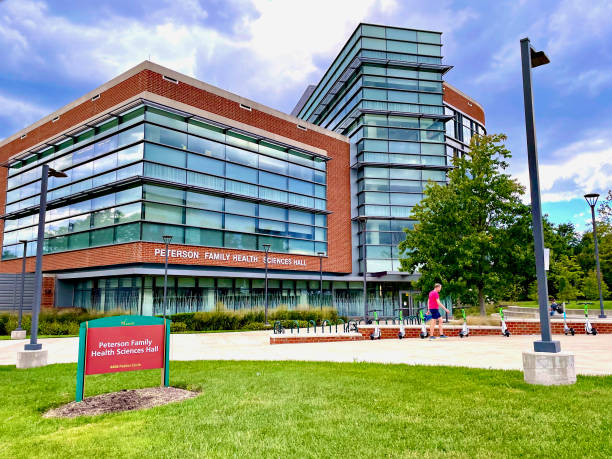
column 78, row 241
column 277, row 244
column 164, row 194
column 241, row 156
column 242, row 173
column 300, row 186
column 277, row 213
column 204, row 164
column 154, row 232
column 206, row 147
column 240, row 241
column 129, row 213
column 165, row 155
column 301, row 247
column 165, row 173
column 204, row 219
column 102, row 237
column 127, row 233
column 163, row 213
column 272, row 227
column 296, row 216
column 204, row 201
column 198, row 236
column 240, row 207
column 236, row 223
column 205, row 181
column 166, row 136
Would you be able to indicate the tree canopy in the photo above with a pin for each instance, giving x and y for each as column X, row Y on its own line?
column 473, row 234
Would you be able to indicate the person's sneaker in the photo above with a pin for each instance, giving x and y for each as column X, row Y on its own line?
column 432, row 337
column 443, row 336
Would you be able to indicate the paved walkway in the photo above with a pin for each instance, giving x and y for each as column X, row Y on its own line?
column 593, row 353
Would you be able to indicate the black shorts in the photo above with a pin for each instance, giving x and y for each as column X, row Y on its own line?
column 435, row 313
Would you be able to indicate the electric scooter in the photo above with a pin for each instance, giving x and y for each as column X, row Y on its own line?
column 588, row 329
column 504, row 329
column 567, row 330
column 402, row 329
column 465, row 331
column 424, row 333
column 376, row 333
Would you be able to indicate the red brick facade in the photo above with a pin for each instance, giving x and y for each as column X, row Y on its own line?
column 468, row 106
column 338, row 190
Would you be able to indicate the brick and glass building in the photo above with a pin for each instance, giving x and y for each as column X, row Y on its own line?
column 154, row 153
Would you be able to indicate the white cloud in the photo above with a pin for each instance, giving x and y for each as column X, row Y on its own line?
column 580, row 167
column 18, row 113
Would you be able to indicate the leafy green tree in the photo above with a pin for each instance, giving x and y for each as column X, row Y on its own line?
column 472, row 233
column 605, row 209
column 590, row 290
column 565, row 277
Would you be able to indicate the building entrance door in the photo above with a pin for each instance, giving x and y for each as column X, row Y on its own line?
column 407, row 304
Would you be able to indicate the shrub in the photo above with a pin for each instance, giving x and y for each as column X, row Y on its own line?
column 178, row 327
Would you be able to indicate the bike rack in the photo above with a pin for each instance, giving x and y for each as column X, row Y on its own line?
column 297, row 325
column 355, row 328
column 323, row 326
column 278, row 328
column 343, row 325
column 314, row 326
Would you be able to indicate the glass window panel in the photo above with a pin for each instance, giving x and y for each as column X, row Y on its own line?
column 77, row 208
column 301, row 172
column 163, row 213
column 102, row 180
column 241, row 156
column 404, row 159
column 204, row 164
column 131, row 194
column 430, row 49
column 376, row 184
column 204, row 219
column 297, row 216
column 205, row 181
column 240, row 241
column 165, row 173
column 401, row 211
column 206, row 130
column 277, row 213
column 206, row 147
column 105, row 163
column 82, row 171
column 399, row 96
column 165, row 155
column 373, row 43
column 373, row 31
column 405, row 174
column 236, row 223
column 104, row 146
column 130, row 155
column 166, row 118
column 376, row 198
column 301, row 247
column 432, row 149
column 84, row 154
column 129, row 213
column 401, row 34
column 405, row 199
column 81, row 186
column 432, row 136
column 300, row 186
column 405, row 186
column 80, row 223
column 127, row 233
column 319, row 177
column 403, row 121
column 301, row 231
column 198, row 236
column 164, row 194
column 130, row 136
column 204, row 201
column 300, row 200
column 434, row 175
column 376, row 210
column 433, row 99
column 272, row 227
column 166, row 136
column 433, row 160
column 273, row 165
column 376, row 172
column 78, row 241
column 154, row 232
column 130, row 171
column 241, row 188
column 272, row 195
column 320, row 234
column 241, row 173
column 401, row 47
column 320, row 191
column 404, row 134
column 375, row 266
column 104, row 217
column 277, row 181
column 240, row 207
column 277, row 244
column 57, row 227
column 102, row 237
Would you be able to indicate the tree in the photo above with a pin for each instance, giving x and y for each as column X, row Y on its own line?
column 605, row 209
column 590, row 290
column 565, row 278
column 472, row 233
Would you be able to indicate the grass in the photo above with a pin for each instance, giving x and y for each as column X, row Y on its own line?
column 299, row 409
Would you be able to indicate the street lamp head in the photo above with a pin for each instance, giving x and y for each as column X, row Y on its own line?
column 321, row 254
column 23, row 241
column 56, row 173
column 591, row 198
column 266, row 247
column 167, row 239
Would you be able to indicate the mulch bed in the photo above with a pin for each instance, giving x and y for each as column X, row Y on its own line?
column 125, row 400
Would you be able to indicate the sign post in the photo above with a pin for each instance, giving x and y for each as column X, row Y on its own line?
column 123, row 343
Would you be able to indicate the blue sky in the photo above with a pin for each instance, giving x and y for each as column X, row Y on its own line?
column 54, row 51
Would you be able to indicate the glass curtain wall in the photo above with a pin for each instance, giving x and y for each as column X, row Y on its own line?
column 202, row 184
column 384, row 91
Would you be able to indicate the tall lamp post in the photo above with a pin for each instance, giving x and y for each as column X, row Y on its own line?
column 591, row 199
column 320, row 254
column 47, row 172
column 531, row 58
column 23, row 267
column 167, row 240
column 266, row 250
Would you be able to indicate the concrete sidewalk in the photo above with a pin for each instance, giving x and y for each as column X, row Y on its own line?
column 593, row 354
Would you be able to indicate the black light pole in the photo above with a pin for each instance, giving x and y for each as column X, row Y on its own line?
column 167, row 240
column 320, row 254
column 531, row 58
column 23, row 266
column 266, row 249
column 591, row 199
column 34, row 345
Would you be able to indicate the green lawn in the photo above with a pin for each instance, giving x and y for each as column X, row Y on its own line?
column 298, row 409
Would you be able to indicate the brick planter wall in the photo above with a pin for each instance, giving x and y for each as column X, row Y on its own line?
column 532, row 327
column 314, row 338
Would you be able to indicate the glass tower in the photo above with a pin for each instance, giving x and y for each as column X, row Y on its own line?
column 384, row 91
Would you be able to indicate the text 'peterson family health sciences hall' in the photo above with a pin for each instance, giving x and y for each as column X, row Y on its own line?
column 154, row 153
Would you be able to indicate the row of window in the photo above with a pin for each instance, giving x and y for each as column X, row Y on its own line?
column 402, row 134
column 180, row 235
column 368, row 157
column 384, row 211
column 402, row 186
column 398, row 121
column 372, row 81
column 402, row 199
column 405, row 174
column 385, row 146
column 400, row 34
column 400, row 72
column 461, row 127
